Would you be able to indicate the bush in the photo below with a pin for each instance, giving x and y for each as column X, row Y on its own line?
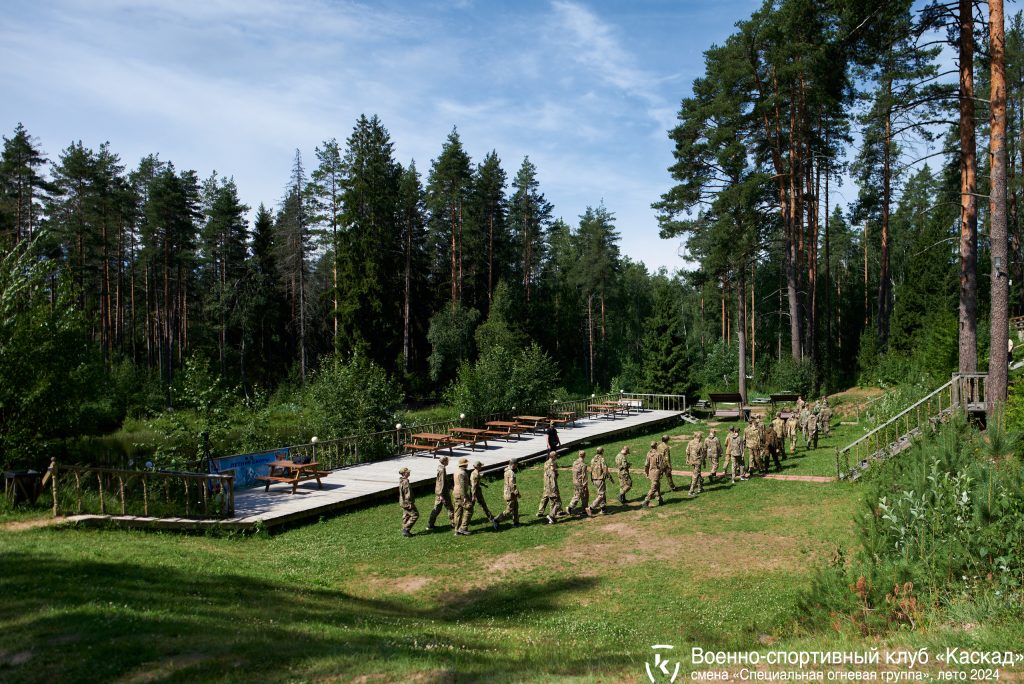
column 943, row 522
column 348, row 397
column 720, row 370
column 789, row 375
column 502, row 379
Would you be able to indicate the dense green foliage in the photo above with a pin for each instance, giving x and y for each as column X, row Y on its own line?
column 942, row 532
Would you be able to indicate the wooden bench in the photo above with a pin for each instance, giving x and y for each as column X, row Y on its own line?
column 432, row 448
column 471, row 443
column 733, row 412
column 300, row 472
column 499, row 434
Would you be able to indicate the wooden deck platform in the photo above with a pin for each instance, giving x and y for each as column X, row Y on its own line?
column 367, row 482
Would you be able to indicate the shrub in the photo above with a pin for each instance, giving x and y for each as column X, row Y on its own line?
column 789, row 375
column 502, row 379
column 942, row 522
column 347, row 397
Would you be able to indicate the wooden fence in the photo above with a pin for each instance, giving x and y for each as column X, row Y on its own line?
column 78, row 490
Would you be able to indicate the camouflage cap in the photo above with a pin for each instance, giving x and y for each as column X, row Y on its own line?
column 664, row 438
column 581, row 453
column 444, row 459
column 712, row 431
column 463, row 462
column 403, row 471
column 552, row 454
column 600, row 450
column 478, row 465
column 698, row 433
column 513, row 461
column 654, row 444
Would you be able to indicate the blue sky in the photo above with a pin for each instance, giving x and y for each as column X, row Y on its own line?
column 587, row 89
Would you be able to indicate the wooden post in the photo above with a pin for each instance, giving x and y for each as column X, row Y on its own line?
column 206, row 498
column 103, row 505
column 145, row 496
column 187, row 507
column 120, row 480
column 231, row 494
column 53, row 483
column 78, row 489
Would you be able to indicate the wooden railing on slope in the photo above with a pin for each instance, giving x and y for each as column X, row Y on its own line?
column 78, row 489
column 962, row 392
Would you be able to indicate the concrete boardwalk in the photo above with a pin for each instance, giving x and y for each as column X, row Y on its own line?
column 358, row 484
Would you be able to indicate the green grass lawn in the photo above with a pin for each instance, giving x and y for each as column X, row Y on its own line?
column 348, row 597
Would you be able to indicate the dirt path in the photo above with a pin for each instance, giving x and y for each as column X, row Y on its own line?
column 35, row 523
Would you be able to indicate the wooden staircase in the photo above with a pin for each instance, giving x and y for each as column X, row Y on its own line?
column 963, row 392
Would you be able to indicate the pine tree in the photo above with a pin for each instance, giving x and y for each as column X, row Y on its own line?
column 530, row 219
column 448, row 193
column 489, row 212
column 22, row 186
column 412, row 211
column 325, row 189
column 370, row 257
column 294, row 242
column 224, row 248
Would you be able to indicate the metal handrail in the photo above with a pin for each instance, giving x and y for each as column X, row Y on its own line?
column 958, row 386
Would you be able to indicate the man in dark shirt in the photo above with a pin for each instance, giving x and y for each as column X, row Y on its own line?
column 553, row 442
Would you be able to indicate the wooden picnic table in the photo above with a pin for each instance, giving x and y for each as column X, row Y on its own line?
column 533, row 422
column 292, row 473
column 604, row 410
column 468, row 436
column 504, row 428
column 430, row 441
column 568, row 417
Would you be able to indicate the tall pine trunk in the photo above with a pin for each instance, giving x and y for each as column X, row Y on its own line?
column 741, row 334
column 883, row 270
column 968, row 336
column 998, row 315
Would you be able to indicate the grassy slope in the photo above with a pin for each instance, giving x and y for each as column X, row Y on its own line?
column 348, row 596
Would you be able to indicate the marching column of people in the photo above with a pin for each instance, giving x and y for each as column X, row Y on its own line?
column 766, row 445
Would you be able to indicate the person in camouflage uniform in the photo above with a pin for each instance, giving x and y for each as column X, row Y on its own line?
column 791, row 429
column 442, row 495
column 825, row 418
column 511, row 495
column 625, row 479
column 408, row 505
column 805, row 415
column 653, row 469
column 734, row 452
column 713, row 451
column 695, row 459
column 551, row 494
column 580, row 486
column 779, row 427
column 478, row 493
column 665, row 451
column 752, row 439
column 812, row 431
column 599, row 475
column 462, row 498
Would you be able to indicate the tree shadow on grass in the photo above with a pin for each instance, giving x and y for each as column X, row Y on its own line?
column 88, row 620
